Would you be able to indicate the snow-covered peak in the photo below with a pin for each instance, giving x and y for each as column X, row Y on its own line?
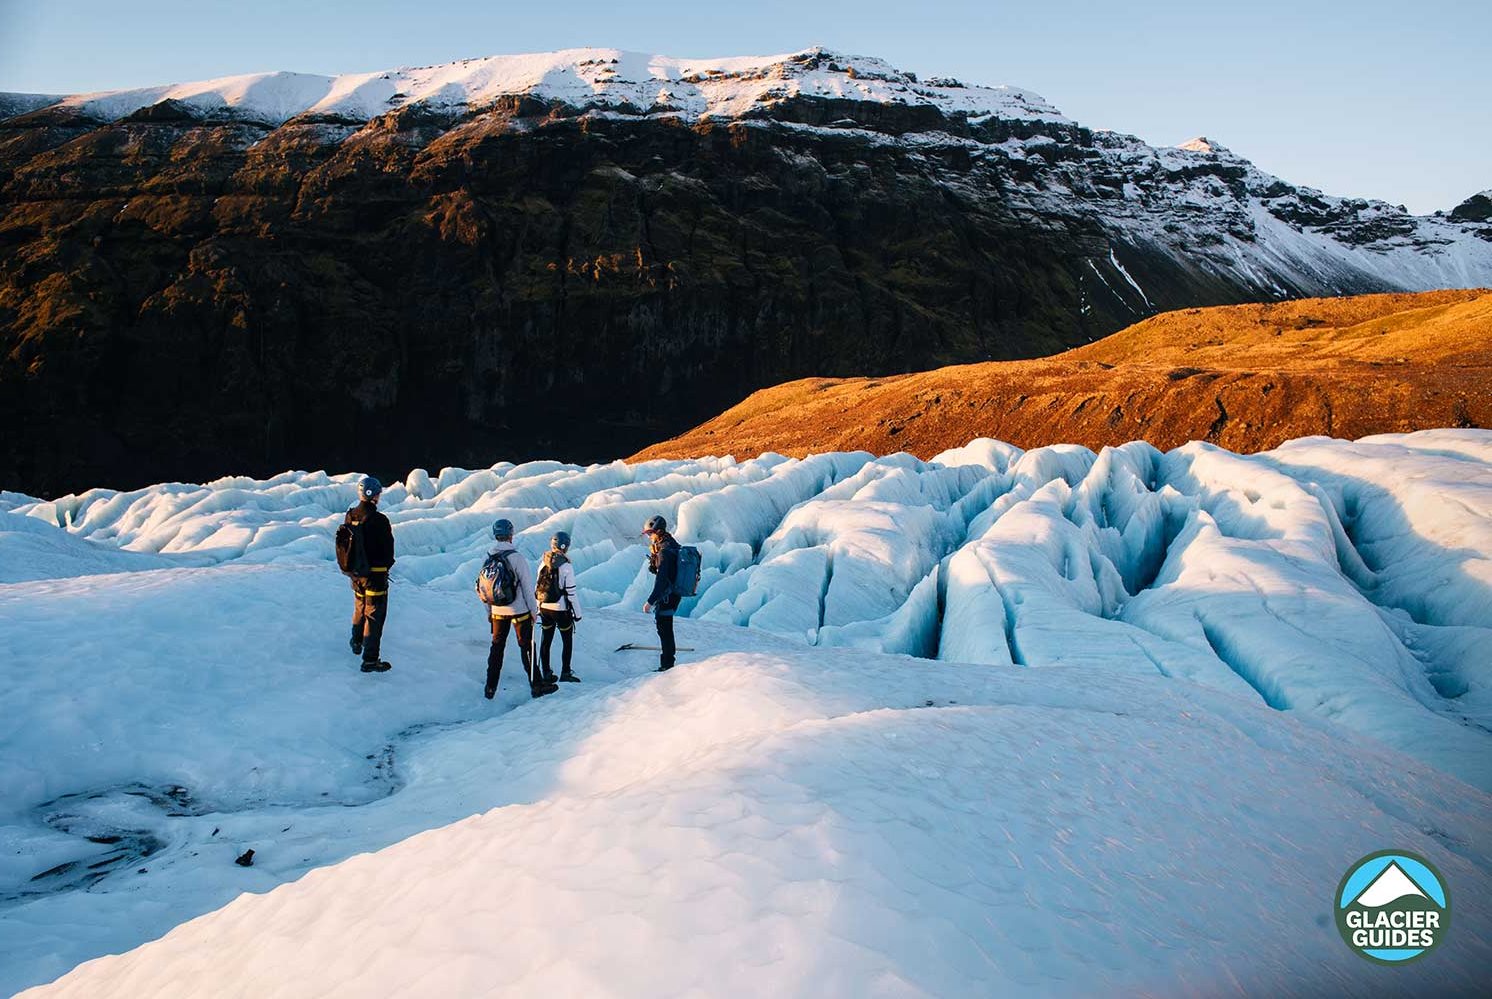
column 591, row 77
column 1202, row 144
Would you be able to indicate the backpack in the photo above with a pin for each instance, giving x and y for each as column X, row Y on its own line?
column 497, row 583
column 549, row 585
column 686, row 577
column 352, row 553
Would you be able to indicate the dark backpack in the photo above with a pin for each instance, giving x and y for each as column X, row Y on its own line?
column 352, row 552
column 686, row 577
column 497, row 583
column 549, row 584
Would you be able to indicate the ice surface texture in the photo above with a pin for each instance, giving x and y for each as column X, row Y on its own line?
column 1178, row 695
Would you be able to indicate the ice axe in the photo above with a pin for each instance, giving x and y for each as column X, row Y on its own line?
column 535, row 671
column 651, row 648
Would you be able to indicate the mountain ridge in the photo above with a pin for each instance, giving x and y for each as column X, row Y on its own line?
column 186, row 293
column 581, row 77
column 1245, row 377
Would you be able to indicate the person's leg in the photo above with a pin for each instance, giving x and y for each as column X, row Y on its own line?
column 500, row 627
column 375, row 612
column 356, row 642
column 567, row 638
column 547, row 623
column 664, row 623
column 523, row 627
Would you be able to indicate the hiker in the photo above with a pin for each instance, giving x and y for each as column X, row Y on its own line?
column 506, row 586
column 559, row 607
column 663, row 562
column 365, row 549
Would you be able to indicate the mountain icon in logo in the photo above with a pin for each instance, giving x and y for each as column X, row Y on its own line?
column 1391, row 885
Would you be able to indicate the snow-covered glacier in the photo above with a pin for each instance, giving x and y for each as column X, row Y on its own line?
column 1002, row 722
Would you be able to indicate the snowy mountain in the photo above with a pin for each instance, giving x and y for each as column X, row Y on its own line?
column 1004, row 723
column 599, row 79
column 451, row 248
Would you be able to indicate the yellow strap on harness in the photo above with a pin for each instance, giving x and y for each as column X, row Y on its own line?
column 503, row 617
column 379, row 568
column 374, row 593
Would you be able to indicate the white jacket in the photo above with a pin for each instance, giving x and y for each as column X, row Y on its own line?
column 569, row 600
column 523, row 601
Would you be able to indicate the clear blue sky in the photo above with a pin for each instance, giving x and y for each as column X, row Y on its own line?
column 1356, row 97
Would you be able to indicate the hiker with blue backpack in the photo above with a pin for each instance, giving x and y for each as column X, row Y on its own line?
column 506, row 586
column 663, row 602
column 365, row 553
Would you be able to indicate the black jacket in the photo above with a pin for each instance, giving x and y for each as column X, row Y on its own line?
column 378, row 535
column 663, row 561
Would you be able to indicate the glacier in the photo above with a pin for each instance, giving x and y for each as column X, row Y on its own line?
column 1020, row 722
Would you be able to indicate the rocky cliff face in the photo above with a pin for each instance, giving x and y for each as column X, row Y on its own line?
column 579, row 253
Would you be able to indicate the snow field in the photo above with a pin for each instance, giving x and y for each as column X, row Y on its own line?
column 1168, row 684
column 843, row 823
column 1346, row 595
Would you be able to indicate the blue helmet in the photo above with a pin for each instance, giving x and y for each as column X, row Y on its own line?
column 502, row 528
column 561, row 541
column 369, row 488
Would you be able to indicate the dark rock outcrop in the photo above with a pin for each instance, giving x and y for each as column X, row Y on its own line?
column 1477, row 208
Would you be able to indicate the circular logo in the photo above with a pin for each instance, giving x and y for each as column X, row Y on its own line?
column 1392, row 907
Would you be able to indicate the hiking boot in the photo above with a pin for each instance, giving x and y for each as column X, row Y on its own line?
column 355, row 643
column 543, row 687
column 377, row 667
column 664, row 669
column 567, row 677
column 549, row 676
column 489, row 691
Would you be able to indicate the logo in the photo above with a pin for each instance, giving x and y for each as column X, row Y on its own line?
column 1392, row 907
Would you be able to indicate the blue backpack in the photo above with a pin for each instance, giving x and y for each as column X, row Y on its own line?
column 497, row 583
column 686, row 578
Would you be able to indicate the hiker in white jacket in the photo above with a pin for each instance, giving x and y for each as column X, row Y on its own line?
column 559, row 605
column 517, row 615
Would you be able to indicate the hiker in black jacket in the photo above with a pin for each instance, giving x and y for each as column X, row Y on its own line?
column 663, row 562
column 370, row 593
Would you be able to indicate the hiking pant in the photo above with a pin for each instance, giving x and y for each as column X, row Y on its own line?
column 663, row 618
column 523, row 627
column 370, row 606
column 549, row 620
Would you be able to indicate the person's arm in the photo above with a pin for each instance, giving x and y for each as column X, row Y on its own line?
column 379, row 535
column 567, row 585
